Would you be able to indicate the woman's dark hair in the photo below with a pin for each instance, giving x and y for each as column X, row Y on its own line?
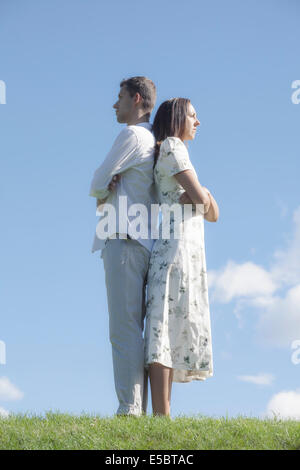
column 145, row 87
column 169, row 121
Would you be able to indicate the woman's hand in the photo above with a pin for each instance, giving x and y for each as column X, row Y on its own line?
column 190, row 183
column 213, row 213
column 185, row 198
column 207, row 190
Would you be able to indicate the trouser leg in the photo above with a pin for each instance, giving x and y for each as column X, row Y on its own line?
column 126, row 266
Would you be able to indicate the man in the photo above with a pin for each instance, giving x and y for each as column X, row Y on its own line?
column 128, row 171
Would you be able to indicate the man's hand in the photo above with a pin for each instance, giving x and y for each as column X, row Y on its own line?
column 99, row 202
column 114, row 181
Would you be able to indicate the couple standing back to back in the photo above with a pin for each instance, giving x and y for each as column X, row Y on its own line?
column 149, row 164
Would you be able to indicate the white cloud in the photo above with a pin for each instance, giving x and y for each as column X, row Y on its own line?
column 3, row 413
column 286, row 265
column 285, row 405
column 251, row 285
column 260, row 379
column 8, row 391
column 240, row 280
column 279, row 322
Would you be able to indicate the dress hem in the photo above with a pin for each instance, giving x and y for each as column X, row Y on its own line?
column 181, row 369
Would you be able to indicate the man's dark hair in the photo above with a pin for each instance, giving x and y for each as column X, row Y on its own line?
column 169, row 121
column 145, row 87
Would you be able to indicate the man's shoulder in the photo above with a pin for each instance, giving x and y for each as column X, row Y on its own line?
column 127, row 132
column 144, row 134
column 135, row 133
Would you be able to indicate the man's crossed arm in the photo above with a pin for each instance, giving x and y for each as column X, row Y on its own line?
column 113, row 183
column 121, row 157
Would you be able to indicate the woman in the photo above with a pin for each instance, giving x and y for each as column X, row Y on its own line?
column 178, row 344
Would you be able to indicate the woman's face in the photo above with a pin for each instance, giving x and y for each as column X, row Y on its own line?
column 191, row 124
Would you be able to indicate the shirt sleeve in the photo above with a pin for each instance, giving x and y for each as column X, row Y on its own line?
column 119, row 159
column 174, row 156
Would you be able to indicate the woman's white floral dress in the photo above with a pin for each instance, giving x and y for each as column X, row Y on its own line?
column 178, row 330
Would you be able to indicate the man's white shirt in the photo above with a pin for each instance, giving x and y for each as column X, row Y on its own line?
column 132, row 156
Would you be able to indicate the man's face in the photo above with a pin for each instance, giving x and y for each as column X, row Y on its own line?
column 124, row 106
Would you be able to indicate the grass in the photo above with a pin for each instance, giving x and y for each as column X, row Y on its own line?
column 65, row 431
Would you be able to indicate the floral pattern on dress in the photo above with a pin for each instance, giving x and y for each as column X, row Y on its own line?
column 178, row 330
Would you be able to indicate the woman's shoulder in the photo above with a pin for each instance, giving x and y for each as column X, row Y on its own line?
column 173, row 143
column 173, row 157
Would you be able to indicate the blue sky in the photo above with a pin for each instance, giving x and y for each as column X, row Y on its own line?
column 62, row 62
